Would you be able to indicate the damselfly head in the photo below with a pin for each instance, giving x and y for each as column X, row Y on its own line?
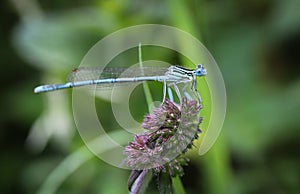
column 200, row 70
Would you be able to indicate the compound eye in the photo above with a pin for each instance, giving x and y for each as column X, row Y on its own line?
column 200, row 71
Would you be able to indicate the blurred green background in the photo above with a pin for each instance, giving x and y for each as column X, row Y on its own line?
column 256, row 44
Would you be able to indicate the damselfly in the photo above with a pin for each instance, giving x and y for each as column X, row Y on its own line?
column 107, row 77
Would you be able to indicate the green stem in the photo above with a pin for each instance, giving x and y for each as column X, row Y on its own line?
column 177, row 185
column 147, row 91
column 216, row 168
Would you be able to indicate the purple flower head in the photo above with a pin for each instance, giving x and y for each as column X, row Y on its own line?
column 169, row 132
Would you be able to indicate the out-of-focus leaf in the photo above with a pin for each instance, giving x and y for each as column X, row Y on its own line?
column 58, row 41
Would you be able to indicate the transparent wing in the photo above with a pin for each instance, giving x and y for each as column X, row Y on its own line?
column 94, row 73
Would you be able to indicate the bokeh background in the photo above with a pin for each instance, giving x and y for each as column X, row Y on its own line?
column 256, row 44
